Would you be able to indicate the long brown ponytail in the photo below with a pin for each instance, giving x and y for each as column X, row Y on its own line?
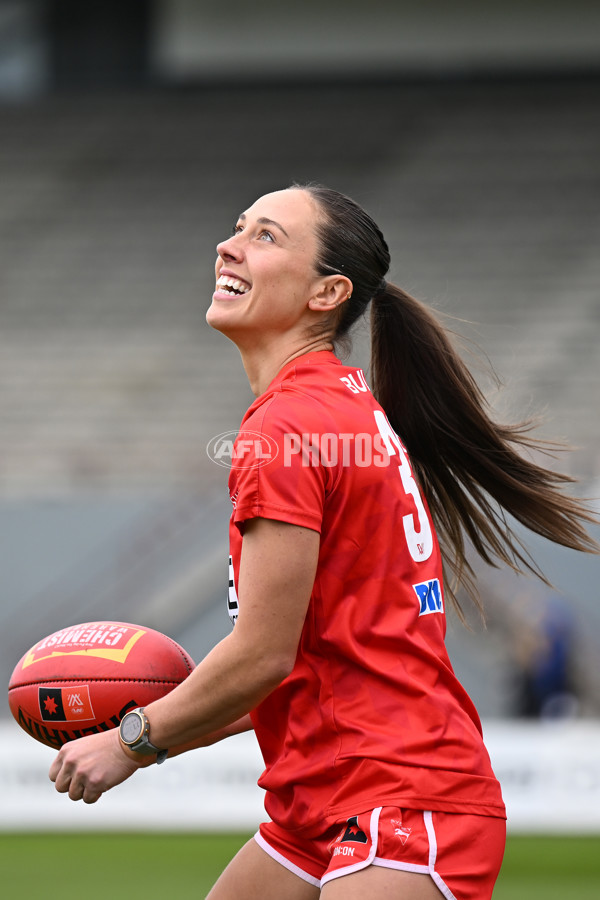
column 469, row 466
column 471, row 469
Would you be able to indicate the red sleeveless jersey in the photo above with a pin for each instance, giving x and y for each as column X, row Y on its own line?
column 372, row 713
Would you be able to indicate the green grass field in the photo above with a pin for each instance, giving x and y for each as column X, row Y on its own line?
column 97, row 866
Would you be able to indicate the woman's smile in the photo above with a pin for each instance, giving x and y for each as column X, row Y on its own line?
column 229, row 285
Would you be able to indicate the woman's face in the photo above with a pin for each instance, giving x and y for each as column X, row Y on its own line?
column 265, row 275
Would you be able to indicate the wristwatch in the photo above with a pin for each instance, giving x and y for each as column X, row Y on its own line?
column 134, row 732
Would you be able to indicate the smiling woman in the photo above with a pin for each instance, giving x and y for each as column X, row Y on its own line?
column 377, row 781
column 281, row 297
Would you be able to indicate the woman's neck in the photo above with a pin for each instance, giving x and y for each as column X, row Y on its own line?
column 262, row 366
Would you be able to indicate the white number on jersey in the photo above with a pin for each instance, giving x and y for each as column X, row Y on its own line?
column 419, row 539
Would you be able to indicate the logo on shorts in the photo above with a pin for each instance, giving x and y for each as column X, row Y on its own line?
column 352, row 833
column 400, row 831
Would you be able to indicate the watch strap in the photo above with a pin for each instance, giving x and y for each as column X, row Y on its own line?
column 143, row 744
column 161, row 755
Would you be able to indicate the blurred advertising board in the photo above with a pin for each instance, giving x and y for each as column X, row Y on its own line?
column 550, row 775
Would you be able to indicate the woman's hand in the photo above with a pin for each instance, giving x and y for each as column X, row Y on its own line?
column 91, row 765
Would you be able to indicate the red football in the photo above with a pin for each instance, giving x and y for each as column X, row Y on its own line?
column 84, row 678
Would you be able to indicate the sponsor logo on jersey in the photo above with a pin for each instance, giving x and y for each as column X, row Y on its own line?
column 67, row 704
column 429, row 594
column 242, row 449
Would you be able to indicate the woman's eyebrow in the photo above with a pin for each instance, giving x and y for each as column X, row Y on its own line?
column 264, row 221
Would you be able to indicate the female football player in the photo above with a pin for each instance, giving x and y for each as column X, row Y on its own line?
column 377, row 780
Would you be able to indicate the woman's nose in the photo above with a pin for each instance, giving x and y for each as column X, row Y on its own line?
column 229, row 249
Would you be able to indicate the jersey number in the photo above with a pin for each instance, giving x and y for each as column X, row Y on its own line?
column 418, row 538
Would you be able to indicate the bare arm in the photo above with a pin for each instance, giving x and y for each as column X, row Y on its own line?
column 243, row 724
column 277, row 571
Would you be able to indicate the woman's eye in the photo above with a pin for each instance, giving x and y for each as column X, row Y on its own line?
column 263, row 234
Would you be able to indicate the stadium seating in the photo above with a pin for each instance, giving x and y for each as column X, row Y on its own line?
column 111, row 384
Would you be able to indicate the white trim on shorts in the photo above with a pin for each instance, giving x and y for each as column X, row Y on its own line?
column 290, row 866
column 372, row 859
column 356, row 867
column 424, row 870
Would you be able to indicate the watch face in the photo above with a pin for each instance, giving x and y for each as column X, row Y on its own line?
column 131, row 727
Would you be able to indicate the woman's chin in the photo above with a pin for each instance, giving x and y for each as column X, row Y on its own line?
column 220, row 319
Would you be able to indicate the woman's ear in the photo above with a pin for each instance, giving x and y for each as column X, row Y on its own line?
column 332, row 291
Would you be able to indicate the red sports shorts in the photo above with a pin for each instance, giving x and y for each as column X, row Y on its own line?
column 462, row 853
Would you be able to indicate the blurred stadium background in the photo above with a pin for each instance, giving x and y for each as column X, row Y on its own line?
column 131, row 135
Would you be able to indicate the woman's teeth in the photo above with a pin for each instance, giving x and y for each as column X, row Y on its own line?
column 231, row 286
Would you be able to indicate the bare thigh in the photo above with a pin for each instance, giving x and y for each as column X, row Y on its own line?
column 253, row 875
column 379, row 883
